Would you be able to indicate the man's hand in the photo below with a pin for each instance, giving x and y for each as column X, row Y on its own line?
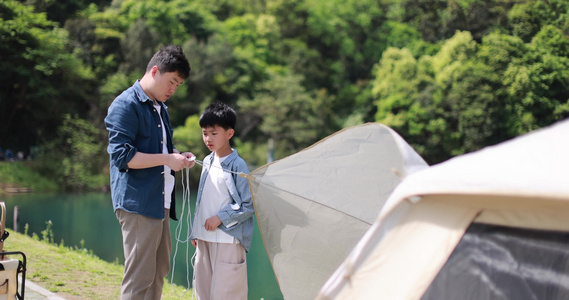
column 191, row 158
column 177, row 162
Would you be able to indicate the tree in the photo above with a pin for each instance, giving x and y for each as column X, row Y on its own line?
column 137, row 46
column 528, row 17
column 212, row 74
column 75, row 157
column 288, row 114
column 443, row 105
column 537, row 82
column 43, row 79
column 174, row 21
column 189, row 138
column 471, row 95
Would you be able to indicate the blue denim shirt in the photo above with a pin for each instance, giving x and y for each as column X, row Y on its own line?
column 134, row 125
column 240, row 210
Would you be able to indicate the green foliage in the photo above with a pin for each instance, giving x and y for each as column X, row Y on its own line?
column 438, row 20
column 42, row 79
column 113, row 86
column 76, row 159
column 20, row 173
column 450, row 76
column 224, row 9
column 137, row 45
column 528, row 17
column 189, row 138
column 500, row 50
column 47, row 233
column 285, row 112
column 538, row 80
column 174, row 21
column 471, row 95
column 255, row 154
column 445, row 105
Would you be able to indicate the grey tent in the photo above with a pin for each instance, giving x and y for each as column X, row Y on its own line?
column 314, row 206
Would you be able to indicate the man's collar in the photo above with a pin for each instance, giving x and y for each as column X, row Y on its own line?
column 141, row 95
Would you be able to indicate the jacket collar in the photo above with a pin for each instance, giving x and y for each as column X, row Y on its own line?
column 227, row 162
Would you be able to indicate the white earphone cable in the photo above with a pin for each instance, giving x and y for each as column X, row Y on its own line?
column 178, row 233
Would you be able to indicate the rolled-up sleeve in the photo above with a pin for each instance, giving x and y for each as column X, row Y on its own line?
column 121, row 123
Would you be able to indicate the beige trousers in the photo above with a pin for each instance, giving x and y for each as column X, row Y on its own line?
column 147, row 245
column 220, row 271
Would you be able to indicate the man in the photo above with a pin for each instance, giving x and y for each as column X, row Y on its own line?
column 143, row 160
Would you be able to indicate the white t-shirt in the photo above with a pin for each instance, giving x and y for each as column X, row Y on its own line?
column 214, row 197
column 169, row 180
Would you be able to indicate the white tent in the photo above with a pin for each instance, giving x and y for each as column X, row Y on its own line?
column 314, row 206
column 493, row 224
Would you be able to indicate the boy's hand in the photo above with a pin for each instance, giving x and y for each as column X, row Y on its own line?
column 195, row 243
column 212, row 223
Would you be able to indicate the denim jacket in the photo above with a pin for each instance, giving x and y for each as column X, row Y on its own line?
column 240, row 210
column 134, row 125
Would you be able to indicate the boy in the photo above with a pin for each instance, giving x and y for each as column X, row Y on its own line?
column 143, row 160
column 223, row 223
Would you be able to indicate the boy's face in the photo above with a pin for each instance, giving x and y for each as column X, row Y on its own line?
column 217, row 138
column 165, row 84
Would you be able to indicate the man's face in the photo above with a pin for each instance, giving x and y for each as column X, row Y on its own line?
column 165, row 84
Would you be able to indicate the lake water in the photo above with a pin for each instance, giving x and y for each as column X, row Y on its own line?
column 90, row 218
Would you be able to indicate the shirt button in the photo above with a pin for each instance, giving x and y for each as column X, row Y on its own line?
column 159, row 125
column 162, row 193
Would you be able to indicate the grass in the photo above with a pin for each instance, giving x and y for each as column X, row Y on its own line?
column 73, row 273
column 19, row 174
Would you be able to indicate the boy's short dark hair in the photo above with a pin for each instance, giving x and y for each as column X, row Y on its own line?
column 218, row 113
column 170, row 59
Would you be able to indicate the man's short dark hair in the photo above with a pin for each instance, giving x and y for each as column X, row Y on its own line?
column 170, row 59
column 218, row 113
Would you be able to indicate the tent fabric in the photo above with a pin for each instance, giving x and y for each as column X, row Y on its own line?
column 491, row 259
column 314, row 206
column 426, row 216
column 534, row 164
